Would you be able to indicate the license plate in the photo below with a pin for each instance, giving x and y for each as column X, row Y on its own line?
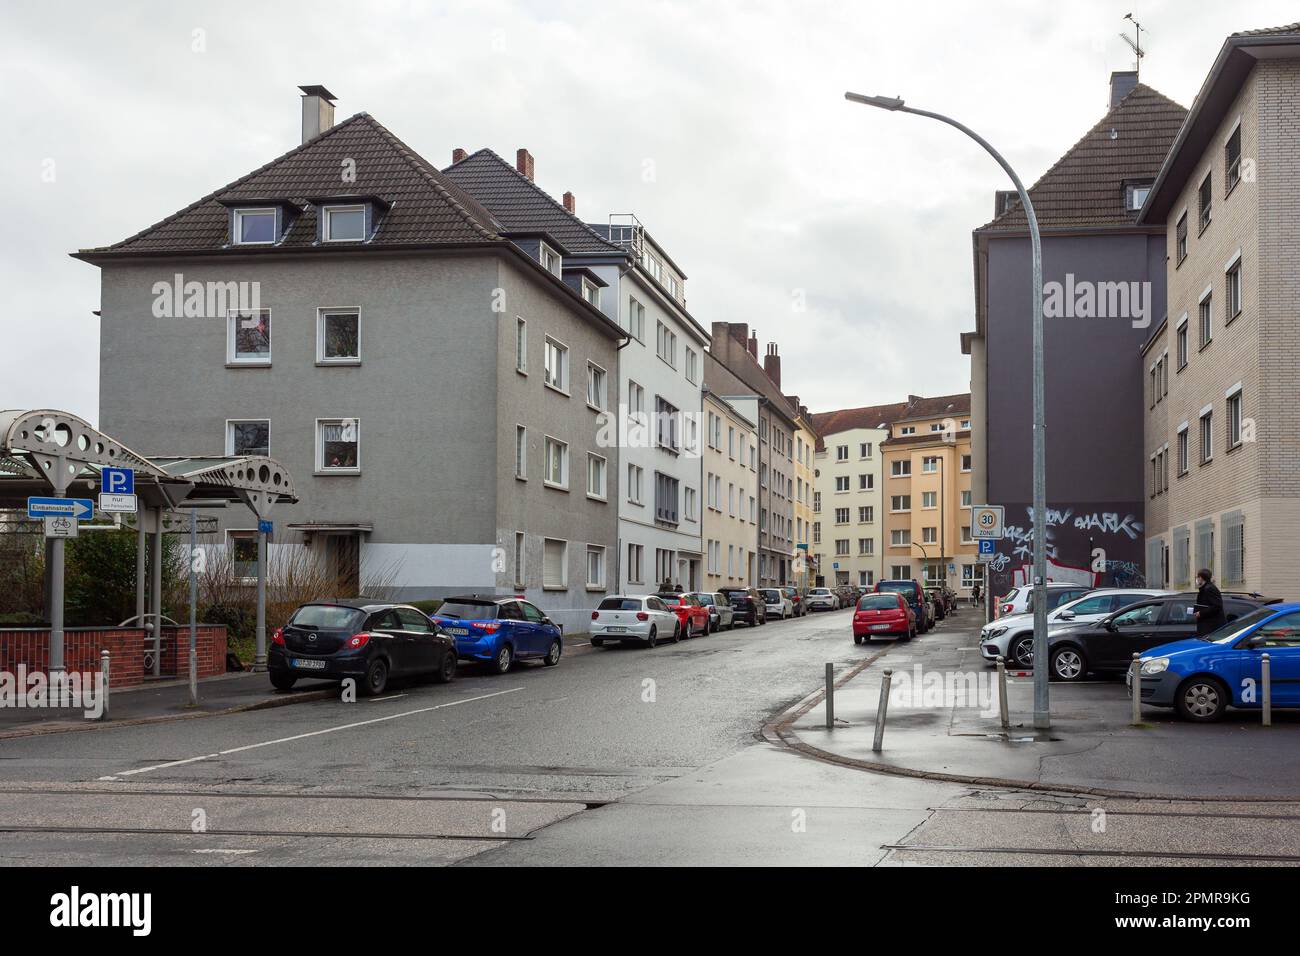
column 308, row 665
column 880, row 627
column 458, row 631
column 615, row 630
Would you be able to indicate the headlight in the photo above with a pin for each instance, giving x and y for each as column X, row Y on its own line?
column 1157, row 665
column 997, row 632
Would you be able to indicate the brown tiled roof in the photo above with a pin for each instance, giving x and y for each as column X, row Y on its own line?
column 846, row 419
column 1085, row 187
column 1270, row 31
column 425, row 208
column 941, row 406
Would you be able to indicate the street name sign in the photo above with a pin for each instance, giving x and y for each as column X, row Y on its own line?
column 987, row 521
column 60, row 507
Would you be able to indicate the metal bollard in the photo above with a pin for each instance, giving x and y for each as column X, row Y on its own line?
column 830, row 696
column 1002, row 693
column 881, row 711
column 1266, row 673
column 1137, row 691
column 103, row 671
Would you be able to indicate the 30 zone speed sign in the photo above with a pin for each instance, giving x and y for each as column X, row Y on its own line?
column 987, row 521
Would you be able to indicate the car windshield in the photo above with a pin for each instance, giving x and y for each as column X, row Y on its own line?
column 327, row 617
column 620, row 604
column 1234, row 629
column 468, row 610
column 771, row 595
column 899, row 587
column 877, row 602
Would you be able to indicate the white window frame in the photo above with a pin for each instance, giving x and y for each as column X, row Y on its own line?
column 520, row 558
column 259, row 361
column 230, row 432
column 544, row 250
column 591, row 292
column 327, row 226
column 597, row 374
column 563, row 484
column 259, row 211
column 521, row 452
column 564, row 566
column 321, row 357
column 562, row 351
column 321, row 467
column 521, row 345
column 601, row 494
column 635, row 484
column 595, row 550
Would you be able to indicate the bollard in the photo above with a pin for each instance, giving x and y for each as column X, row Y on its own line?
column 830, row 696
column 881, row 711
column 1002, row 692
column 103, row 671
column 1137, row 691
column 1266, row 669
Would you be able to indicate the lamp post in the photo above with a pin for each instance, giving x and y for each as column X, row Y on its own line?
column 1042, row 709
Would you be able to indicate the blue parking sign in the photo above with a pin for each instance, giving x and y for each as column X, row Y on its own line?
column 987, row 546
column 117, row 481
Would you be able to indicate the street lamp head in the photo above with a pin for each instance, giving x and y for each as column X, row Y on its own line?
column 880, row 102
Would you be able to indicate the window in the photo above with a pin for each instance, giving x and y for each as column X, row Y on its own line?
column 1182, row 451
column 557, row 463
column 1204, row 198
column 866, row 482
column 519, row 559
column 731, row 443
column 338, row 336
column 864, row 449
column 841, row 452
column 841, row 547
column 1234, row 418
column 841, row 483
column 971, row 574
column 635, row 399
column 866, row 546
column 1180, row 239
column 344, row 223
column 965, row 534
column 635, row 319
column 929, row 464
column 248, row 338
column 936, row 426
column 1232, row 160
column 1232, row 290
column 1137, row 195
column 550, row 259
column 1182, row 343
column 1207, row 319
column 635, row 562
column 338, row 445
column 817, row 502
column 841, row 515
column 521, row 452
column 241, row 547
column 591, row 292
column 817, row 532
column 691, row 359
column 688, row 501
column 900, row 503
column 1207, row 436
column 248, row 437
column 557, row 365
column 595, row 567
column 901, row 469
column 900, row 572
column 900, row 537
column 1234, row 552
column 666, row 498
column 666, row 344
column 666, row 416
column 965, row 462
column 595, row 476
column 929, row 499
column 929, row 535
column 555, row 564
column 521, row 345
column 965, row 498
column 907, row 430
column 596, row 389
column 866, row 514
column 634, row 476
column 255, row 227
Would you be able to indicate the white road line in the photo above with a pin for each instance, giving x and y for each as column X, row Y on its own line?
column 313, row 733
column 375, row 700
column 588, row 644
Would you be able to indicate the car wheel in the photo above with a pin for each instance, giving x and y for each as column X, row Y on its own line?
column 708, row 626
column 857, row 638
column 597, row 642
column 1068, row 664
column 653, row 639
column 1020, row 652
column 504, row 660
column 553, row 654
column 1202, row 699
column 282, row 681
column 376, row 679
column 447, row 670
column 677, row 633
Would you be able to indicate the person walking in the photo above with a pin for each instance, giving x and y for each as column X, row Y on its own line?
column 1209, row 603
column 975, row 596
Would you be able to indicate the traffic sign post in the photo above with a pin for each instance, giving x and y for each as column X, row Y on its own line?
column 988, row 548
column 59, row 526
column 988, row 522
column 60, row 508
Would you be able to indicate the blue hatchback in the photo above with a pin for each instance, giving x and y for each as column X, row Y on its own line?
column 1202, row 676
column 500, row 631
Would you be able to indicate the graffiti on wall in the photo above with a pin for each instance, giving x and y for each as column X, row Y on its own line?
column 1086, row 544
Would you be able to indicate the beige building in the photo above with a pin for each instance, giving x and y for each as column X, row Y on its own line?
column 926, row 496
column 805, row 468
column 730, row 474
column 1221, row 371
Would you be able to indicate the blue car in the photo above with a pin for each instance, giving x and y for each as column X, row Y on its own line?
column 500, row 631
column 1201, row 677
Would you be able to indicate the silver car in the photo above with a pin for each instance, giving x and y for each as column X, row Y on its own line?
column 643, row 618
column 1012, row 637
column 721, row 613
column 777, row 603
column 822, row 599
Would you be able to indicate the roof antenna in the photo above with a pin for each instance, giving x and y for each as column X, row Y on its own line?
column 1135, row 44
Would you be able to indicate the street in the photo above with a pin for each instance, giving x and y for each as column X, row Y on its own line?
column 617, row 756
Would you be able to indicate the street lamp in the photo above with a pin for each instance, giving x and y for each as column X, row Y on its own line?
column 1042, row 709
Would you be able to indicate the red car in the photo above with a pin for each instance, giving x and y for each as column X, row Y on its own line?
column 883, row 614
column 691, row 614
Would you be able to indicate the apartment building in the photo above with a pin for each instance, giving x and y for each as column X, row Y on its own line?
column 736, row 371
column 805, row 478
column 730, row 464
column 927, row 494
column 849, row 520
column 1109, row 267
column 619, row 268
column 1221, row 375
column 432, row 378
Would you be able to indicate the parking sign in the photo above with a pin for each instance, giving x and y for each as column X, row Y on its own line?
column 117, row 481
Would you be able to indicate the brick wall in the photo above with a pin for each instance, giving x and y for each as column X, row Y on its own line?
column 82, row 647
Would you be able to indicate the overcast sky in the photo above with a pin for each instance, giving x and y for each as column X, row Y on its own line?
column 722, row 125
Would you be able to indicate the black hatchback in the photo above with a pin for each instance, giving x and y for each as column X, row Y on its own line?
column 368, row 641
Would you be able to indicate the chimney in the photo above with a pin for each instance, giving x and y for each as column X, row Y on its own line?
column 524, row 163
column 772, row 363
column 458, row 154
column 1121, row 85
column 752, row 345
column 570, row 204
column 317, row 111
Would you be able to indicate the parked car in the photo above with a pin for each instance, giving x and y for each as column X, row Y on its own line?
column 822, row 599
column 950, row 599
column 643, row 618
column 1200, row 677
column 1020, row 600
column 748, row 605
column 368, row 641
column 940, row 605
column 1013, row 637
column 693, row 615
column 1107, row 646
column 882, row 615
column 721, row 615
column 778, row 604
column 500, row 631
column 796, row 600
column 914, row 597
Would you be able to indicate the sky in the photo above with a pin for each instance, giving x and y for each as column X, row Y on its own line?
column 840, row 232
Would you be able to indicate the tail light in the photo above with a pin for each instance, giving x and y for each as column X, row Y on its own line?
column 278, row 636
column 357, row 641
column 642, row 616
column 595, row 615
column 489, row 626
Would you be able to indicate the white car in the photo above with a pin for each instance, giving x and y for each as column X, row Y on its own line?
column 777, row 603
column 1016, row 601
column 1012, row 637
column 822, row 599
column 644, row 618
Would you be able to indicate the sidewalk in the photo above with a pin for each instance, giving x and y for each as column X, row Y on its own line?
column 1090, row 747
column 158, row 702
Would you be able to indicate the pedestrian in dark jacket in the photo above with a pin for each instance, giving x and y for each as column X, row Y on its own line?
column 1209, row 603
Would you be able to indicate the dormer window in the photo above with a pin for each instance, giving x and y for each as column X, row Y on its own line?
column 253, row 227
column 1135, row 194
column 591, row 292
column 344, row 223
column 550, row 259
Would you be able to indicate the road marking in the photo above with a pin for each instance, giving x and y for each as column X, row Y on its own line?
column 225, row 852
column 375, row 700
column 313, row 733
column 588, row 644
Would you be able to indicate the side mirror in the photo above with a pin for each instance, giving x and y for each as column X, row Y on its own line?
column 1110, row 625
column 1066, row 615
column 1254, row 641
